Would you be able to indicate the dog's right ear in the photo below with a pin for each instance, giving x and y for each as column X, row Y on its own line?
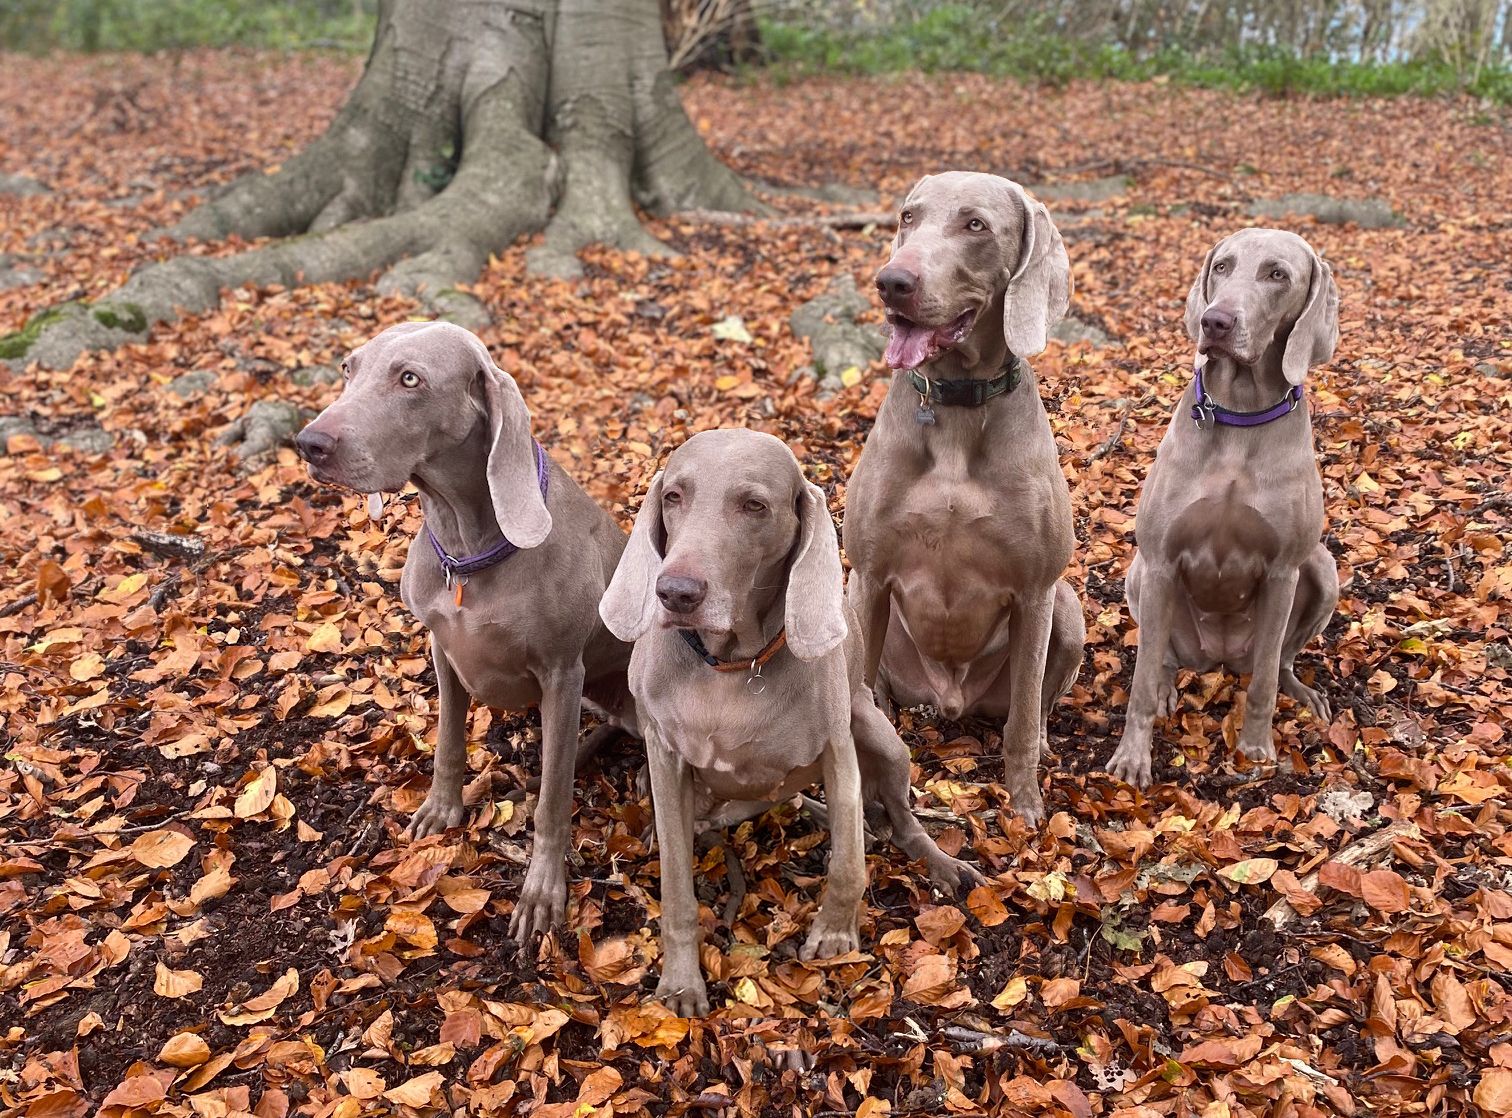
column 1197, row 297
column 629, row 605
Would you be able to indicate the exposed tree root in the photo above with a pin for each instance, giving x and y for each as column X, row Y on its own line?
column 436, row 162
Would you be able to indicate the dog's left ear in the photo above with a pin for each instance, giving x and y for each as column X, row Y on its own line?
column 816, row 585
column 1039, row 288
column 629, row 604
column 1316, row 334
column 513, row 483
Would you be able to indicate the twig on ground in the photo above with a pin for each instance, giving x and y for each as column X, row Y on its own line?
column 18, row 605
column 1360, row 852
column 1115, row 438
column 160, row 595
column 736, row 877
column 976, row 1043
column 168, row 546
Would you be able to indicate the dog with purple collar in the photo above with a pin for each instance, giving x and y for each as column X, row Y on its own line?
column 1230, row 568
column 506, row 574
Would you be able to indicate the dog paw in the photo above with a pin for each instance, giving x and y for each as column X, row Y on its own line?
column 792, row 1059
column 436, row 814
column 1028, row 802
column 1167, row 699
column 1259, row 751
column 683, row 993
column 1130, row 763
column 1311, row 698
column 826, row 941
column 953, row 876
column 543, row 900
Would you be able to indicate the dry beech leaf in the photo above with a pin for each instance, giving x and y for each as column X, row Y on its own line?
column 184, row 1050
column 176, row 983
column 365, row 1083
column 417, row 1091
column 264, row 1005
column 257, row 794
column 161, row 849
column 1251, row 871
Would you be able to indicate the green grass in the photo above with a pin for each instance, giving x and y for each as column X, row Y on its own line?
column 960, row 37
column 157, row 25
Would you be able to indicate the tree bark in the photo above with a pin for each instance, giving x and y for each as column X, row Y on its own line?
column 475, row 122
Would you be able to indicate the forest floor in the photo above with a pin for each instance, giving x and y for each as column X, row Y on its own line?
column 210, row 750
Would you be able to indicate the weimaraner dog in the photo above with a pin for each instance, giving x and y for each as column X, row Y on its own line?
column 507, row 575
column 747, row 679
column 1230, row 568
column 958, row 519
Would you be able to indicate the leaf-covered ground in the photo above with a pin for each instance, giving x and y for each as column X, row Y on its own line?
column 210, row 748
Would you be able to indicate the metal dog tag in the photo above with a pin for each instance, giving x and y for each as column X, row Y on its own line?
column 925, row 415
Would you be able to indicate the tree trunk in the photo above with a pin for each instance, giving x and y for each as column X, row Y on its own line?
column 475, row 122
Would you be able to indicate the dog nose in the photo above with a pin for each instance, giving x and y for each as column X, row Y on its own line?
column 894, row 283
column 1217, row 323
column 314, row 446
column 681, row 594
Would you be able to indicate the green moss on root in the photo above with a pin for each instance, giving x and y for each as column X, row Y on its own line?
column 15, row 346
column 122, row 316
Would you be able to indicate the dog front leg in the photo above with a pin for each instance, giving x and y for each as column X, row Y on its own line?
column 1030, row 647
column 443, row 804
column 1273, row 606
column 873, row 605
column 543, row 896
column 1157, row 603
column 836, row 928
column 682, row 987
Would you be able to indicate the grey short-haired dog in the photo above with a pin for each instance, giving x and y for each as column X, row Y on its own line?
column 507, row 574
column 1230, row 568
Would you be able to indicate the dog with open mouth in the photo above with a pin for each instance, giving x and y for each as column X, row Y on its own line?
column 507, row 573
column 958, row 519
column 747, row 682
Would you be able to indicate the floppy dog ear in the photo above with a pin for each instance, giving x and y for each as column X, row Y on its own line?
column 1039, row 289
column 1316, row 333
column 816, row 585
column 1197, row 297
column 513, row 483
column 629, row 605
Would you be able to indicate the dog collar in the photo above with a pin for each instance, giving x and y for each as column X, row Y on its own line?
column 1207, row 411
column 457, row 570
column 754, row 665
column 961, row 393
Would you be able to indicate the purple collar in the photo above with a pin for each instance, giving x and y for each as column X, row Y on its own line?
column 457, row 570
column 1208, row 411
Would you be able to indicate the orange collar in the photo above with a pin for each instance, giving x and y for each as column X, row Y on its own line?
column 774, row 646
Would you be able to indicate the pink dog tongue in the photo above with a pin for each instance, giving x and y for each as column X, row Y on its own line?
column 909, row 346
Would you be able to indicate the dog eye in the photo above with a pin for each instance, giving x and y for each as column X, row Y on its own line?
column 906, row 217
column 976, row 225
column 1277, row 274
column 409, row 379
column 1220, row 267
column 754, row 505
column 672, row 498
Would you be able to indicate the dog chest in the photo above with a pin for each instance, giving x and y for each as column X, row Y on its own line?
column 489, row 659
column 739, row 746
